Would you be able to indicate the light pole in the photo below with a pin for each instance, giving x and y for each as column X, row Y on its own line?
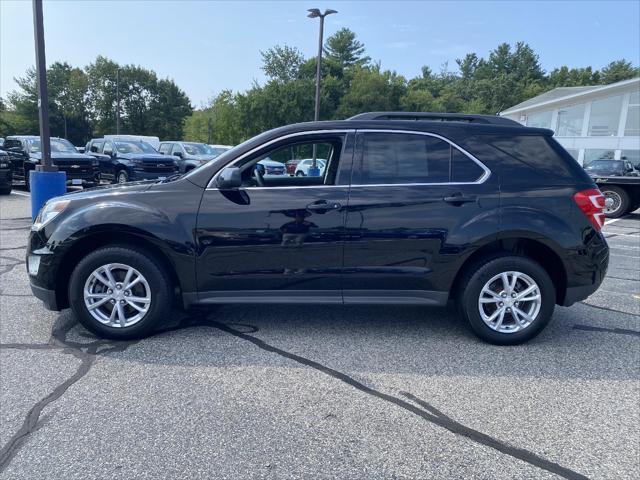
column 45, row 181
column 314, row 171
column 118, row 101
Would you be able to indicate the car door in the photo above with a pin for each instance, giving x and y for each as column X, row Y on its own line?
column 276, row 238
column 16, row 150
column 415, row 208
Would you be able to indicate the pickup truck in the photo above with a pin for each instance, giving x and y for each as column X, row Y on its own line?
column 622, row 194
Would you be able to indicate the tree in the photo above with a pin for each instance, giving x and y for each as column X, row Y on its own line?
column 282, row 63
column 617, row 71
column 372, row 90
column 343, row 47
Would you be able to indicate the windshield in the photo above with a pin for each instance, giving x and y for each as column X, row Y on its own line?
column 58, row 145
column 134, row 147
column 608, row 164
column 197, row 149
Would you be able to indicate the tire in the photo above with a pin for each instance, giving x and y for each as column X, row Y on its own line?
column 6, row 190
column 155, row 286
column 27, row 180
column 488, row 272
column 619, row 200
column 121, row 177
column 300, row 173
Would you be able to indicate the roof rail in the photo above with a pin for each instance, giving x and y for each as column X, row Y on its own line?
column 436, row 117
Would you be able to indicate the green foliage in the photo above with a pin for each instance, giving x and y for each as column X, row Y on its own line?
column 282, row 63
column 344, row 48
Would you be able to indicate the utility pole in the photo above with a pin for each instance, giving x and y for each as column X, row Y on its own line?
column 209, row 125
column 45, row 182
column 314, row 171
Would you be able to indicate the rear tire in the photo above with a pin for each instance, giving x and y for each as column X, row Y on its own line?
column 6, row 190
column 618, row 199
column 153, row 293
column 520, row 320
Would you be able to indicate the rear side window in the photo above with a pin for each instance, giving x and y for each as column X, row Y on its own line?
column 399, row 158
column 528, row 159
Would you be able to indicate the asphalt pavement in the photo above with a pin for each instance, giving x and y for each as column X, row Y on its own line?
column 290, row 392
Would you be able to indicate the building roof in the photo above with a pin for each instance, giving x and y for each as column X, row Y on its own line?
column 565, row 93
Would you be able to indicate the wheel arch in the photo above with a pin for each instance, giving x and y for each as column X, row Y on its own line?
column 533, row 248
column 101, row 237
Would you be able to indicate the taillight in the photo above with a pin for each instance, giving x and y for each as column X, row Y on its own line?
column 591, row 202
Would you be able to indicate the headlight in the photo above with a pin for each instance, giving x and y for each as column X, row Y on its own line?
column 48, row 213
column 4, row 165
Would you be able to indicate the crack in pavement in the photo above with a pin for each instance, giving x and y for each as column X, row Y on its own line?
column 621, row 331
column 608, row 309
column 432, row 415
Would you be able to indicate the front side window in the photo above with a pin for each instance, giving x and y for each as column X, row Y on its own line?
column 398, row 158
column 108, row 148
column 591, row 154
column 632, row 127
column 268, row 169
column 633, row 156
column 176, row 149
column 165, row 148
column 605, row 116
column 58, row 145
column 570, row 121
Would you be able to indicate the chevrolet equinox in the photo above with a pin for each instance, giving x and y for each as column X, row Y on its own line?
column 411, row 208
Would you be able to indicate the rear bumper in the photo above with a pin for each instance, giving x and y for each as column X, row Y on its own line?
column 48, row 297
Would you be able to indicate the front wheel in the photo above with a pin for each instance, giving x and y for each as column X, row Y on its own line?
column 120, row 293
column 616, row 201
column 300, row 173
column 507, row 299
column 6, row 190
column 122, row 176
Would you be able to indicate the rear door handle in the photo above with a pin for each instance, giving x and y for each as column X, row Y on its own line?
column 323, row 205
column 459, row 199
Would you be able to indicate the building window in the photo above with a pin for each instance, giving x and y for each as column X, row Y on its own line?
column 605, row 116
column 632, row 128
column 539, row 120
column 570, row 121
column 632, row 156
column 591, row 154
column 574, row 152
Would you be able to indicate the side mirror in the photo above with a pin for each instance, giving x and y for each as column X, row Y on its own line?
column 229, row 178
column 177, row 154
column 94, row 149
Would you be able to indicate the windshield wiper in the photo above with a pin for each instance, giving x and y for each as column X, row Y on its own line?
column 171, row 178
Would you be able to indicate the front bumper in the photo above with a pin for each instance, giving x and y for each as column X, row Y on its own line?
column 6, row 177
column 48, row 297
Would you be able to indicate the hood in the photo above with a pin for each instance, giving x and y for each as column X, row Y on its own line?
column 155, row 157
column 110, row 190
column 202, row 158
column 80, row 157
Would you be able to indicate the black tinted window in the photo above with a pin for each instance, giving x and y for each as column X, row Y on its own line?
column 392, row 158
column 404, row 158
column 12, row 144
column 463, row 169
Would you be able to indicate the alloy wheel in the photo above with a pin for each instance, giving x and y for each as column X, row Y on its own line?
column 117, row 295
column 510, row 302
column 612, row 202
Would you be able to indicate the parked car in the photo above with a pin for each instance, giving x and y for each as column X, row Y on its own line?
column 24, row 153
column 477, row 210
column 124, row 160
column 611, row 168
column 189, row 155
column 5, row 174
column 271, row 167
column 1, row 142
column 303, row 166
column 220, row 149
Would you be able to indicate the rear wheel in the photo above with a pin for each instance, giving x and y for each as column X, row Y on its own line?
column 507, row 299
column 6, row 190
column 616, row 201
column 120, row 293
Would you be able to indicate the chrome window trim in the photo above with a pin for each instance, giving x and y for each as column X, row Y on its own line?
column 483, row 178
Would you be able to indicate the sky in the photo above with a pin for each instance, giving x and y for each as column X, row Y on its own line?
column 208, row 46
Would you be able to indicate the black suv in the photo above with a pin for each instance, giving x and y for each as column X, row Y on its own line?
column 6, row 182
column 479, row 210
column 24, row 152
column 121, row 161
column 190, row 155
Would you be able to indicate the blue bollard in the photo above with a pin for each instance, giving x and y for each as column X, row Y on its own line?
column 314, row 171
column 44, row 186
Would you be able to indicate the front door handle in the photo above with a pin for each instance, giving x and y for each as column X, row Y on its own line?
column 323, row 206
column 459, row 199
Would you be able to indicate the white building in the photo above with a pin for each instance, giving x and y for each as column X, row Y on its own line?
column 590, row 122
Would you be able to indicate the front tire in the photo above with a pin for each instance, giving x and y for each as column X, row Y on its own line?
column 120, row 293
column 617, row 201
column 506, row 299
column 300, row 173
column 122, row 176
column 6, row 190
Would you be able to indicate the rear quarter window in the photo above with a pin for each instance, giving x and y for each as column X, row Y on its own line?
column 527, row 159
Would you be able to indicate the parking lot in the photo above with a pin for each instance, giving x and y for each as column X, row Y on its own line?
column 320, row 392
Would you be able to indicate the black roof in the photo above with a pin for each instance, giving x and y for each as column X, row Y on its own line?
column 436, row 117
